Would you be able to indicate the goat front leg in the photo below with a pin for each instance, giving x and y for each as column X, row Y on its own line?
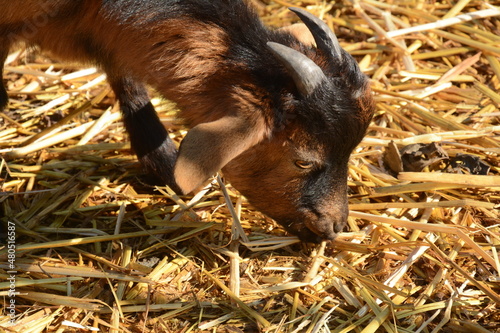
column 148, row 137
column 4, row 52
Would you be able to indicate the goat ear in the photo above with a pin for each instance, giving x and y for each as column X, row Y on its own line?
column 208, row 147
column 301, row 32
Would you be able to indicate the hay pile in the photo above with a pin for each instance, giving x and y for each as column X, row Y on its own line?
column 98, row 250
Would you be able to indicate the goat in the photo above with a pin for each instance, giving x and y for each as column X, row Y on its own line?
column 278, row 116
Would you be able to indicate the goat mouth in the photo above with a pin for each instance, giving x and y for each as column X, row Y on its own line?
column 309, row 227
column 307, row 232
column 309, row 236
column 327, row 233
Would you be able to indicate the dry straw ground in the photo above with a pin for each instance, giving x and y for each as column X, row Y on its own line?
column 97, row 250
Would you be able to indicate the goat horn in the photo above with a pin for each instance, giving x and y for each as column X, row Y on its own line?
column 305, row 73
column 326, row 41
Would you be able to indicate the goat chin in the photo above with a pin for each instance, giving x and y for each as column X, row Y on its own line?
column 281, row 110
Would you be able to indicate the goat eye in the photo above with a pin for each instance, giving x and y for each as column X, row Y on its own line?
column 304, row 164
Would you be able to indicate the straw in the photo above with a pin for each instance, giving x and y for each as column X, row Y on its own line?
column 99, row 249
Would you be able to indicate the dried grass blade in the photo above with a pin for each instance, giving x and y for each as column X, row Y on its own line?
column 449, row 178
column 77, row 271
column 246, row 309
column 446, row 22
column 58, row 138
column 468, row 41
column 488, row 92
column 27, row 282
column 409, row 205
column 458, row 69
column 174, row 313
column 105, row 120
column 87, row 240
column 83, row 303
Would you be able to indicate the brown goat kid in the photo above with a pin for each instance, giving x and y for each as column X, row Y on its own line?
column 280, row 118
